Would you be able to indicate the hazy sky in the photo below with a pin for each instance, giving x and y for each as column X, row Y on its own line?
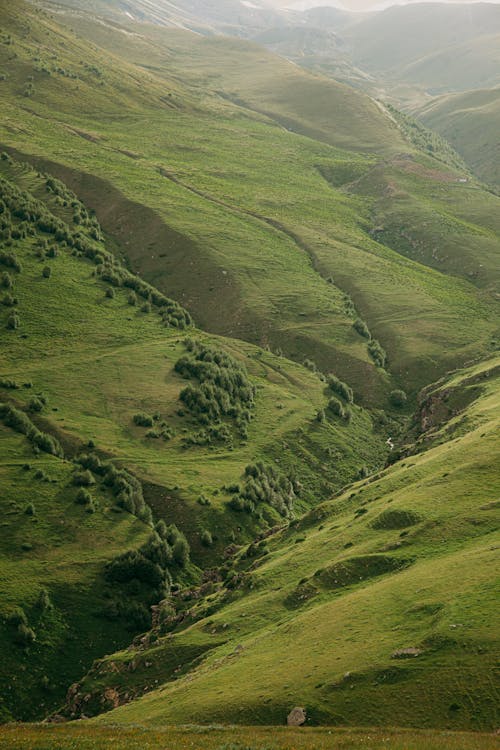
column 349, row 4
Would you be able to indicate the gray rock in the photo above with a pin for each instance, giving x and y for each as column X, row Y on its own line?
column 297, row 717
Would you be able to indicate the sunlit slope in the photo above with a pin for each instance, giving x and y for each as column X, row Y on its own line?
column 379, row 604
column 228, row 212
column 471, row 122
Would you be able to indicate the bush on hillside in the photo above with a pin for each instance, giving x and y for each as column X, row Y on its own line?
column 377, row 353
column 83, row 497
column 9, row 301
column 206, row 538
column 20, row 422
column 83, row 478
column 361, row 327
column 143, row 420
column 340, row 388
column 35, row 405
column 10, row 260
column 47, row 272
column 223, row 389
column 13, row 322
column 335, row 407
column 398, row 398
column 24, row 635
column 6, row 281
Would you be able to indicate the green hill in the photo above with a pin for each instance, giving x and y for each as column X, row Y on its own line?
column 90, row 374
column 175, row 192
column 470, row 122
column 377, row 604
column 224, row 282
column 442, row 47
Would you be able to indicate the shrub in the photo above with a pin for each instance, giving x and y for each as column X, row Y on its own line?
column 341, row 388
column 13, row 322
column 223, row 389
column 134, row 564
column 265, row 484
column 377, row 353
column 6, row 281
column 10, row 260
column 17, row 617
column 398, row 398
column 30, row 509
column 361, row 327
column 24, row 635
column 132, row 299
column 181, row 551
column 110, row 292
column 7, row 383
column 35, row 405
column 20, row 422
column 83, row 478
column 83, row 497
column 206, row 538
column 8, row 300
column 47, row 272
column 43, row 601
column 335, row 406
column 143, row 420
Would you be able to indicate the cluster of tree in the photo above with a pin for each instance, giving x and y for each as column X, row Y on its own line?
column 126, row 488
column 340, row 388
column 22, row 633
column 20, row 422
column 145, row 573
column 83, row 497
column 22, row 215
column 375, row 349
column 265, row 484
column 223, row 389
column 159, row 428
column 216, row 433
column 335, row 406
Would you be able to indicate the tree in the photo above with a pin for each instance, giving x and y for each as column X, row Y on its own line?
column 181, row 551
column 47, row 272
column 13, row 321
column 398, row 398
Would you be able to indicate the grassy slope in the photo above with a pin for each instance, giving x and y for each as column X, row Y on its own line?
column 471, row 123
column 218, row 196
column 214, row 738
column 98, row 361
column 307, row 633
column 64, row 551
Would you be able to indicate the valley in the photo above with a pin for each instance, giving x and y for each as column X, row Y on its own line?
column 249, row 381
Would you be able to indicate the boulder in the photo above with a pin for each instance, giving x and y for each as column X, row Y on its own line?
column 297, row 717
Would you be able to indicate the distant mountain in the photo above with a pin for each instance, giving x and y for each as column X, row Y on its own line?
column 440, row 47
column 237, row 17
column 471, row 123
